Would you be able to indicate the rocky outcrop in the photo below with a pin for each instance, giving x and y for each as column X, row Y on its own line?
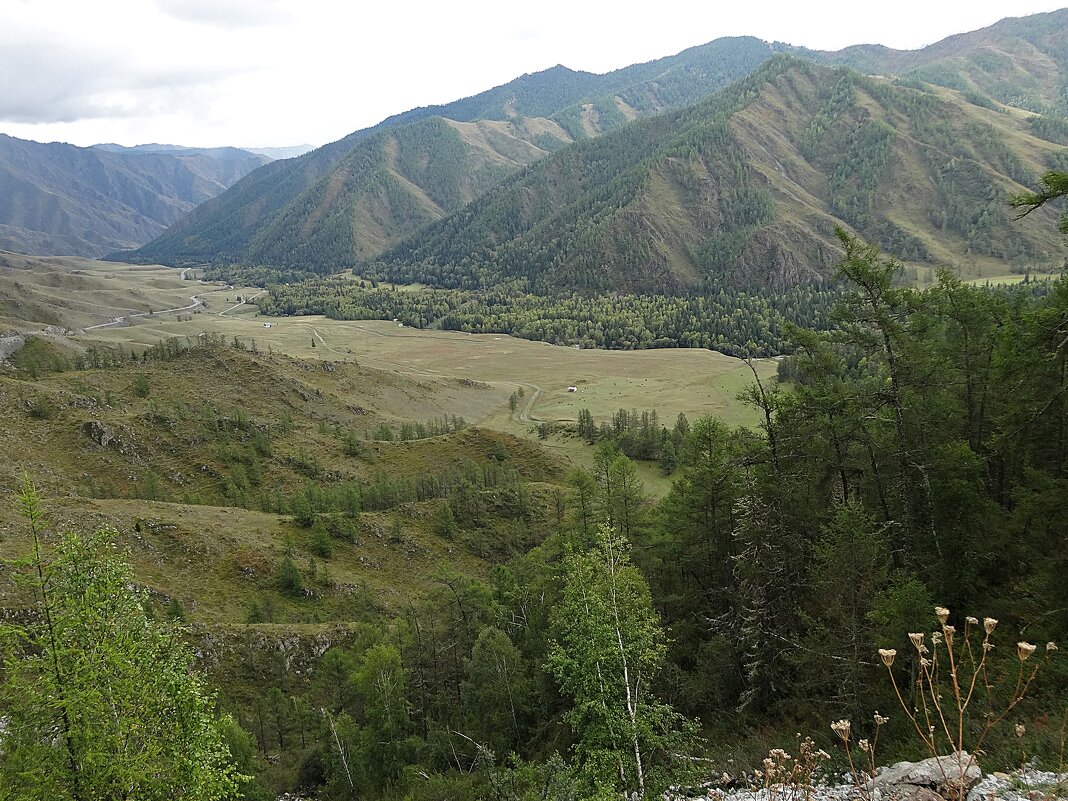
column 11, row 345
column 114, row 437
column 98, row 432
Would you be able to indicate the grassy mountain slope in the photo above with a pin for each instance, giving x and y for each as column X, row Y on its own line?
column 61, row 199
column 394, row 182
column 184, row 467
column 750, row 185
column 344, row 205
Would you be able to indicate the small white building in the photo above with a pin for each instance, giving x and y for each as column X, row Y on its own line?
column 266, row 325
column 572, row 389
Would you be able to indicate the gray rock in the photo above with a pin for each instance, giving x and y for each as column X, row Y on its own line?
column 954, row 774
column 97, row 432
column 908, row 792
column 11, row 345
column 1020, row 786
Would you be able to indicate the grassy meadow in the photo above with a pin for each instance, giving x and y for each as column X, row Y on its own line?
column 694, row 382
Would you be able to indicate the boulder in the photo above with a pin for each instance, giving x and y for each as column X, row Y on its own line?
column 949, row 776
column 97, row 432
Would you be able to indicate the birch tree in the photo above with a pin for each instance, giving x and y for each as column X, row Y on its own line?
column 607, row 652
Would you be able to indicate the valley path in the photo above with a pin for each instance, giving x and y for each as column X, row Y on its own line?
column 242, row 302
column 126, row 317
column 525, row 416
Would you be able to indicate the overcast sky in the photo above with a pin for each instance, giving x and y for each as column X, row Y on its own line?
column 282, row 72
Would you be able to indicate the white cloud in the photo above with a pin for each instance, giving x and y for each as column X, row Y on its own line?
column 274, row 72
column 48, row 84
column 228, row 13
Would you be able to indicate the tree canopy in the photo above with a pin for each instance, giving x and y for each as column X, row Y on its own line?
column 99, row 701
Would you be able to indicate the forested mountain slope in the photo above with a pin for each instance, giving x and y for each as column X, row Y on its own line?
column 353, row 198
column 59, row 199
column 1020, row 61
column 749, row 186
column 397, row 181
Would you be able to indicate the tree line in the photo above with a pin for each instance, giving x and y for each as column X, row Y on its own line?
column 723, row 318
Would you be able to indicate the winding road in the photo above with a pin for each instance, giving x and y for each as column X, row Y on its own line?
column 127, row 317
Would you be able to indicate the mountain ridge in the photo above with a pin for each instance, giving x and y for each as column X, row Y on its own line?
column 226, row 230
column 61, row 199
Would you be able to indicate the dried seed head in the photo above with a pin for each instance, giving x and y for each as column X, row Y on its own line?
column 942, row 613
column 1051, row 646
column 988, row 646
column 881, row 720
column 988, row 624
column 971, row 621
column 917, row 639
column 936, row 637
column 864, row 745
column 926, row 662
column 841, row 728
column 1024, row 650
column 823, row 754
column 949, row 632
column 887, row 655
column 1020, row 730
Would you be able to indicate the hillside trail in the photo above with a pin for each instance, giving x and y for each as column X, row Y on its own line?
column 526, row 416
